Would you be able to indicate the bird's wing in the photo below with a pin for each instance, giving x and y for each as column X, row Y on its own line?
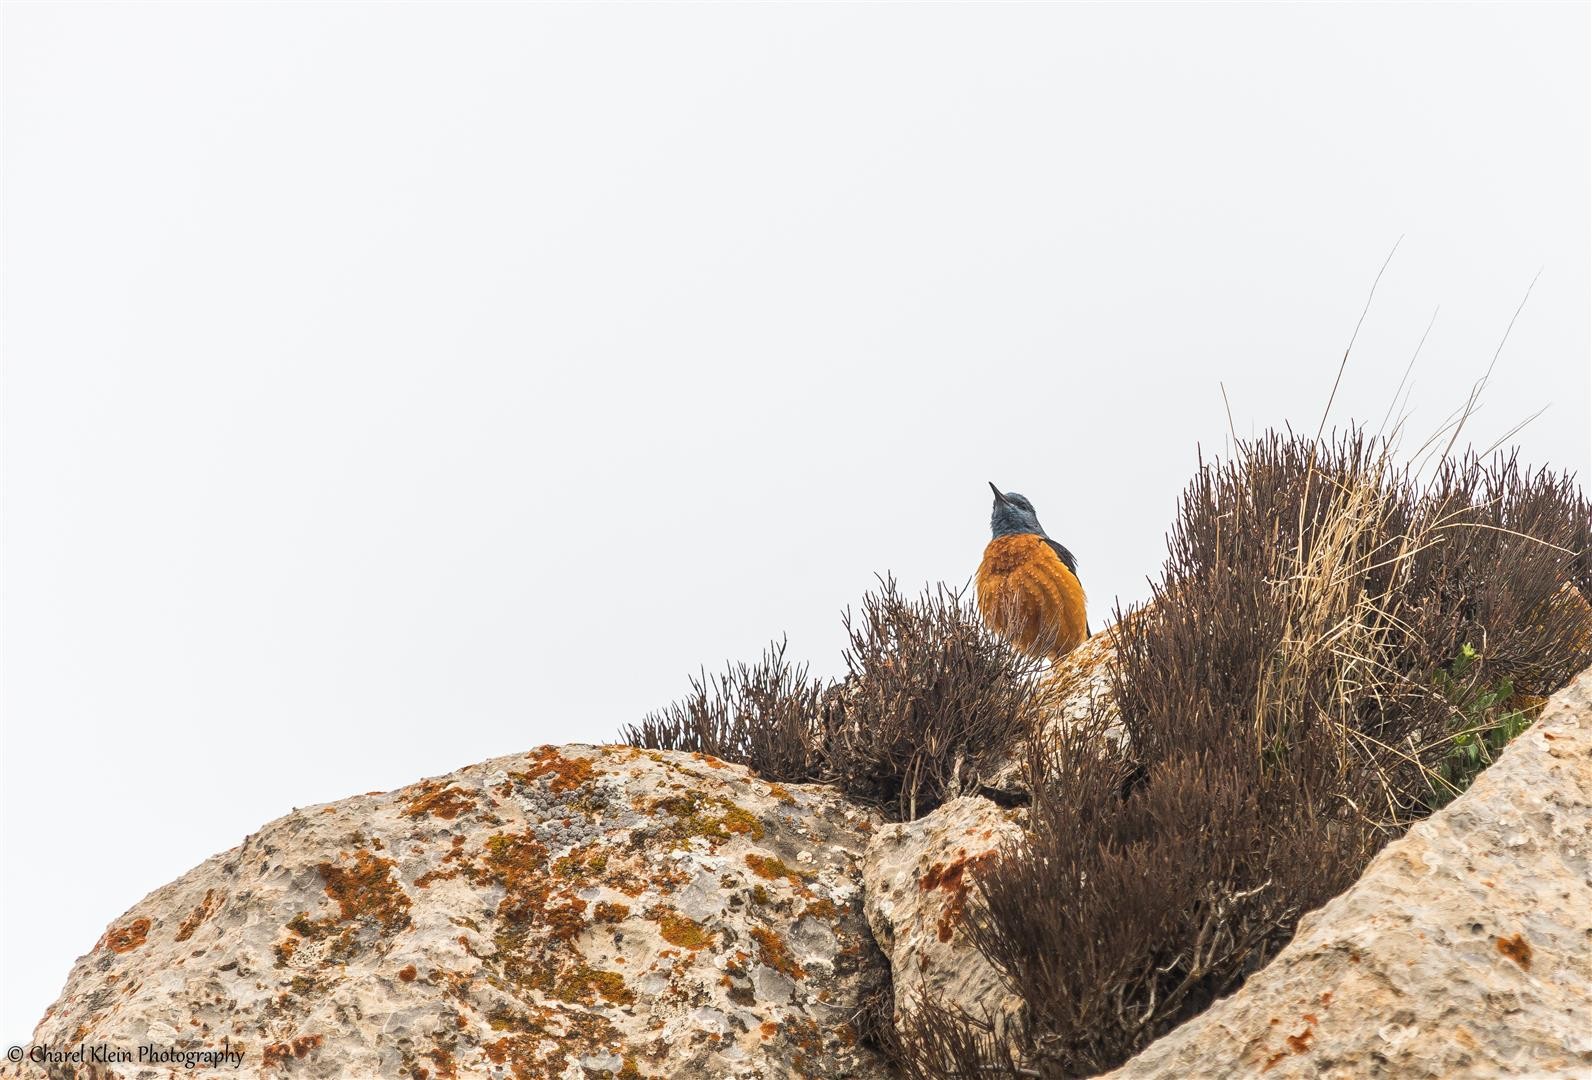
column 1065, row 555
column 1071, row 563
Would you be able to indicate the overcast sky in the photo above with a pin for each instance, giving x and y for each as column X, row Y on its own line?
column 389, row 387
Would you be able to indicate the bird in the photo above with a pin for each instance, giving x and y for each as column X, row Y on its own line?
column 1027, row 585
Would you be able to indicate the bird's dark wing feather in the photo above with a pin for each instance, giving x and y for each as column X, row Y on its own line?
column 1065, row 555
column 1071, row 563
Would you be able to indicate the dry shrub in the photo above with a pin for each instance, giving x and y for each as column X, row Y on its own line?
column 930, row 704
column 1291, row 697
column 762, row 715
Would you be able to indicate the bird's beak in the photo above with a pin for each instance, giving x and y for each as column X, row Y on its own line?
column 998, row 496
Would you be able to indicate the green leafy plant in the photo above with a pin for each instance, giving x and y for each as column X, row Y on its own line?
column 1485, row 721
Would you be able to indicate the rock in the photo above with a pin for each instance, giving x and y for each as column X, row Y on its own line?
column 588, row 912
column 916, row 880
column 1465, row 950
column 576, row 912
column 1077, row 685
column 1080, row 684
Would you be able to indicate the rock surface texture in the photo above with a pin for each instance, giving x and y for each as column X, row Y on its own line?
column 1464, row 951
column 916, row 879
column 1077, row 688
column 576, row 912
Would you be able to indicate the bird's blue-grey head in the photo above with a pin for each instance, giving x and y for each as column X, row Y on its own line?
column 1013, row 515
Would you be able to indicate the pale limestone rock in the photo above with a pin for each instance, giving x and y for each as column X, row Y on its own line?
column 1076, row 687
column 575, row 912
column 1464, row 951
column 917, row 877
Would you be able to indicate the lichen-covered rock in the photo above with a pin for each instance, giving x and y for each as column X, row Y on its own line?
column 1080, row 685
column 916, row 879
column 1464, row 951
column 1076, row 687
column 576, row 912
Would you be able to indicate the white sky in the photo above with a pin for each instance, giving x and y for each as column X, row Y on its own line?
column 388, row 387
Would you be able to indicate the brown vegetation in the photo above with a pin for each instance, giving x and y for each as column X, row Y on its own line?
column 1291, row 695
column 929, row 703
column 1335, row 648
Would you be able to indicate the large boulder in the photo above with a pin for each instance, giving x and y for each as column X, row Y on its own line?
column 1465, row 950
column 576, row 912
column 918, row 877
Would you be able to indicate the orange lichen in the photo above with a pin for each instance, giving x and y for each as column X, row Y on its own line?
column 517, row 862
column 709, row 816
column 952, row 878
column 766, row 866
column 454, row 852
column 1517, row 949
column 279, row 1054
column 679, row 930
column 773, row 951
column 567, row 773
column 443, row 1060
column 408, row 973
column 740, row 820
column 539, row 917
column 631, row 884
column 123, row 939
column 589, row 859
column 536, row 1051
column 440, row 799
column 367, row 896
column 367, row 891
column 610, row 913
column 198, row 915
column 946, row 877
column 580, row 985
column 565, row 921
column 822, row 909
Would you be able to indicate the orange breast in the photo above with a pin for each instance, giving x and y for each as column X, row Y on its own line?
column 1028, row 596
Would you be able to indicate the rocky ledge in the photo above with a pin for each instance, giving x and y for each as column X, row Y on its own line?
column 586, row 912
column 578, row 911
